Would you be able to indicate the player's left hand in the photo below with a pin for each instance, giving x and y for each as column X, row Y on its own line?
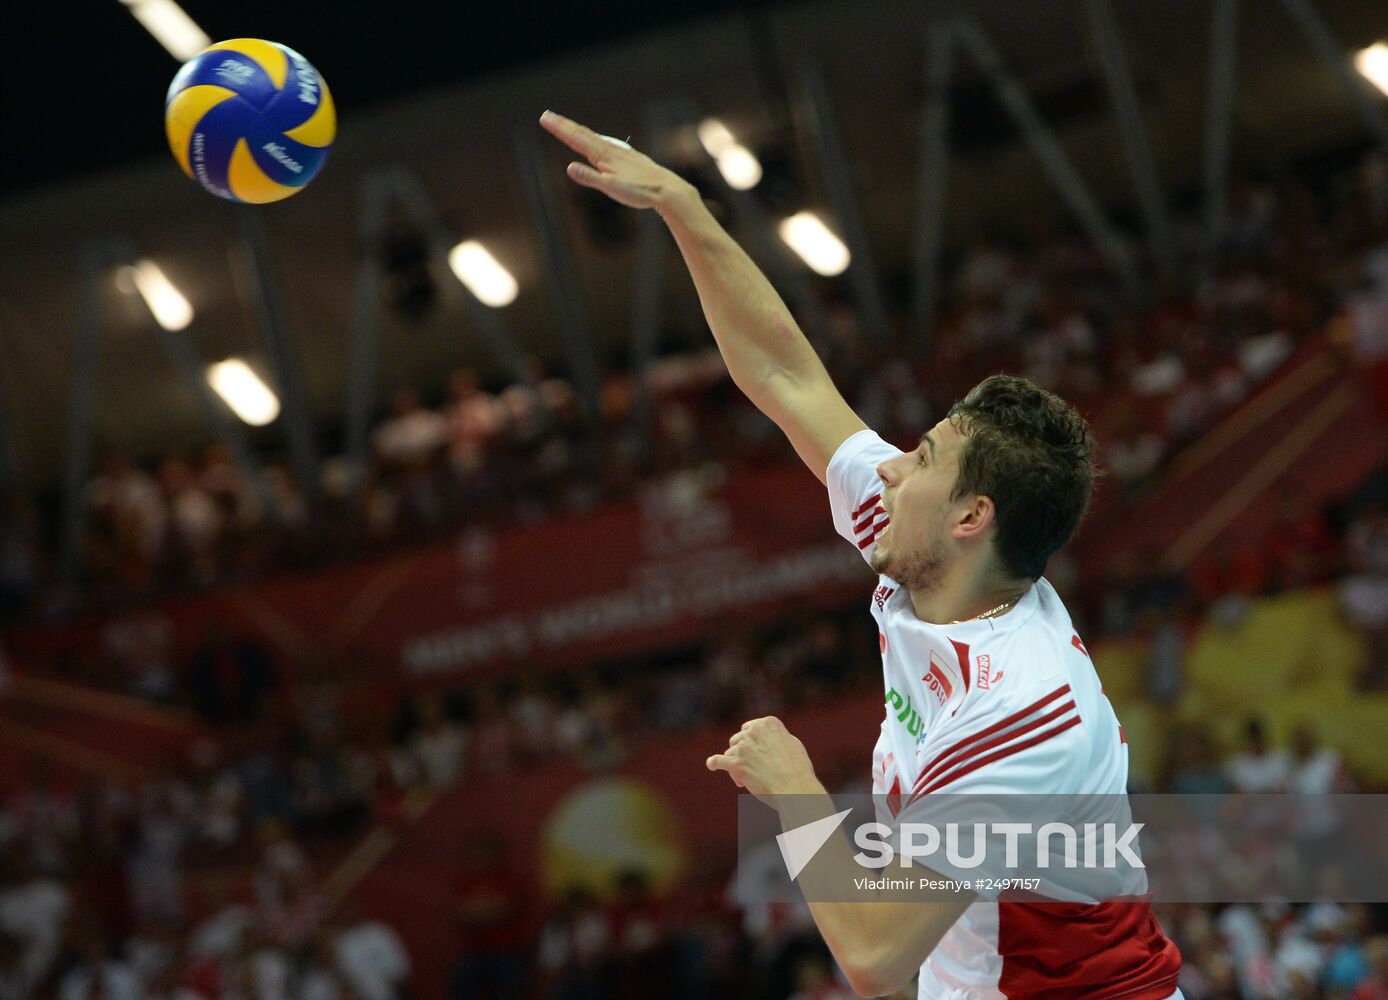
column 764, row 758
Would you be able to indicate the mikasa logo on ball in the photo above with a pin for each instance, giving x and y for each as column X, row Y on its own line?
column 236, row 72
column 308, row 79
column 277, row 151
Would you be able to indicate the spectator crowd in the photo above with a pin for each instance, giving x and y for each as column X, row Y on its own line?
column 209, row 880
column 1152, row 371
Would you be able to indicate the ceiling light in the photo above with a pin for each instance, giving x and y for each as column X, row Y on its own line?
column 738, row 164
column 166, row 303
column 171, row 26
column 1372, row 63
column 809, row 237
column 739, row 167
column 242, row 390
column 483, row 276
column 715, row 137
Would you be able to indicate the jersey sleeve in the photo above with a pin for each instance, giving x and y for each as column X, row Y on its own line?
column 855, row 489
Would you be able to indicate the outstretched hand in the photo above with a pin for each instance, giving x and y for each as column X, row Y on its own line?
column 614, row 168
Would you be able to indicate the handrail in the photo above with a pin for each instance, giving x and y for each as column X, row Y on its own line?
column 1224, row 511
column 31, row 739
column 1247, row 417
column 109, row 704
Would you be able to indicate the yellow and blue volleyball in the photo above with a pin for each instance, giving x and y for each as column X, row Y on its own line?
column 250, row 120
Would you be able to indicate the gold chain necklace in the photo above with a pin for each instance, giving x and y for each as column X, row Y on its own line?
column 993, row 611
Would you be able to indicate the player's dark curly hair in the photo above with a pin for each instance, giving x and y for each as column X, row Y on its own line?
column 1033, row 455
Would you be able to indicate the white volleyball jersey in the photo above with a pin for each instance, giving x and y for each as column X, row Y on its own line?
column 1010, row 705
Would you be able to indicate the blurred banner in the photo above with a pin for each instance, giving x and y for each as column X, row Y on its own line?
column 656, row 571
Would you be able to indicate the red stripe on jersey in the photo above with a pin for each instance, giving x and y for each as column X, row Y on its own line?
column 1001, row 724
column 939, row 768
column 866, row 504
column 938, row 771
column 1079, row 951
column 961, row 650
column 871, row 536
column 1007, row 751
column 894, row 795
column 866, row 522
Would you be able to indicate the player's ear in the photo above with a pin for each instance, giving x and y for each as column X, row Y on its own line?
column 976, row 517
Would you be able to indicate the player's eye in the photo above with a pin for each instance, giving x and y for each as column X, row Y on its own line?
column 921, row 456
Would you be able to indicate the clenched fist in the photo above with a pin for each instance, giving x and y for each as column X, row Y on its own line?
column 764, row 758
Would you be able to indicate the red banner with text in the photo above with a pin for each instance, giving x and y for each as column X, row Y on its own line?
column 656, row 571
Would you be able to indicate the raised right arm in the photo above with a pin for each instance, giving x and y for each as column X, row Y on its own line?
column 767, row 355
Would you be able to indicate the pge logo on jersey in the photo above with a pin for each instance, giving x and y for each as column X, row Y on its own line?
column 907, row 713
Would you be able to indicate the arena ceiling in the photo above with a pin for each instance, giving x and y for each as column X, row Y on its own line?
column 443, row 90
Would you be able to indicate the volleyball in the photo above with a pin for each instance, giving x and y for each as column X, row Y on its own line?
column 250, row 120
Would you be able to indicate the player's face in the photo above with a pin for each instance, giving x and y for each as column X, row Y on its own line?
column 916, row 546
